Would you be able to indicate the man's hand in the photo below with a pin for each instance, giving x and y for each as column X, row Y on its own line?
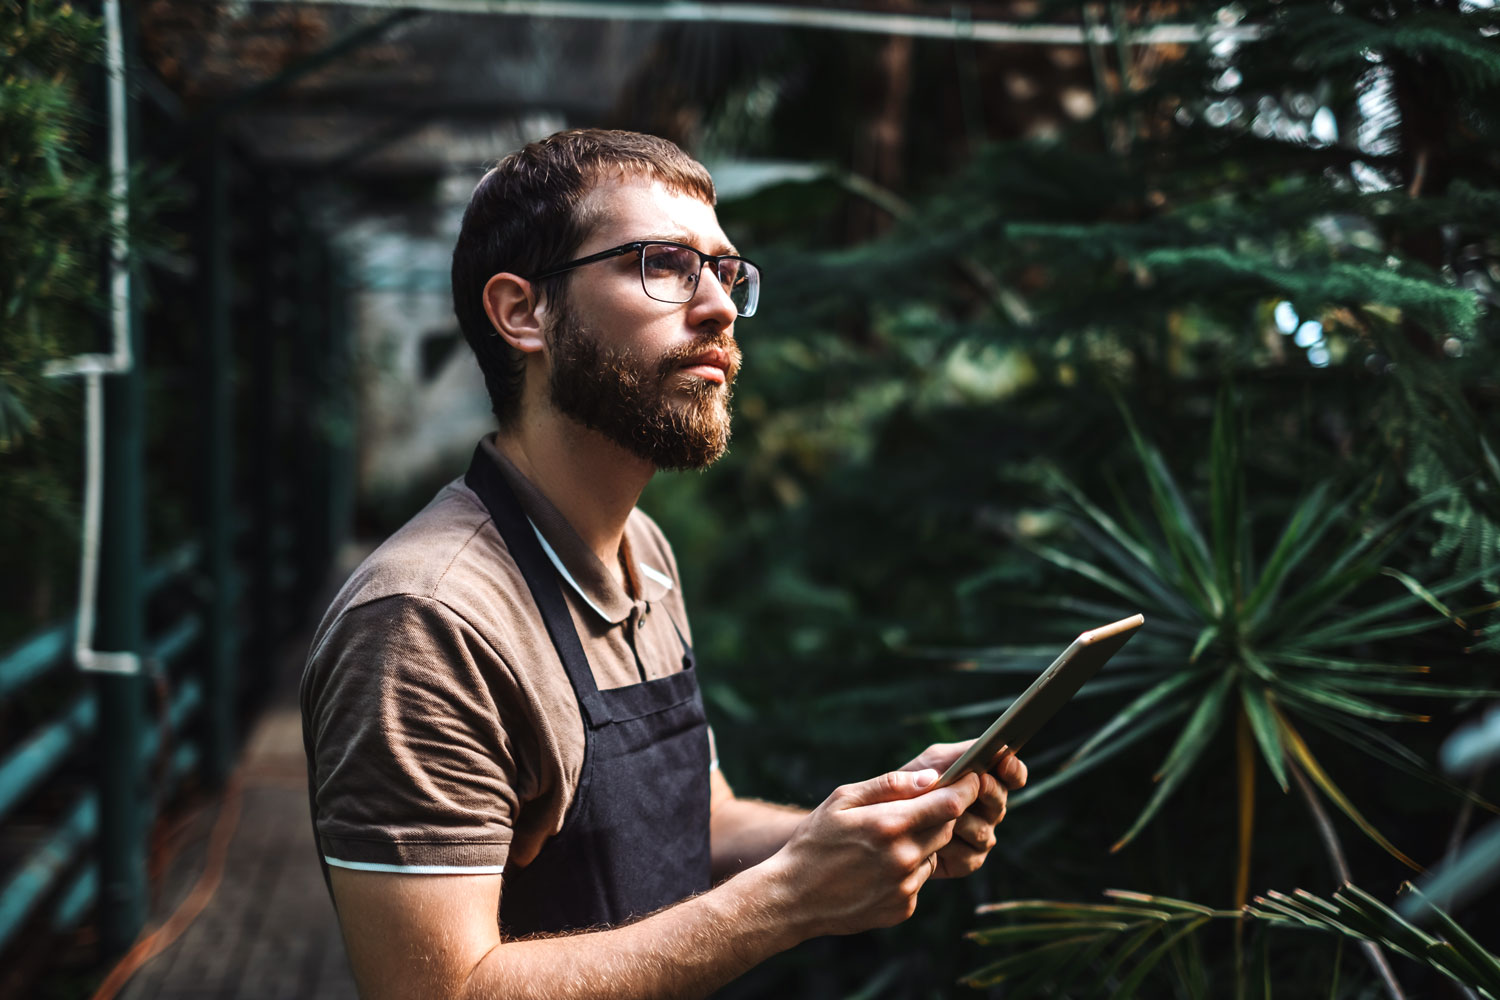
column 859, row 859
column 974, row 833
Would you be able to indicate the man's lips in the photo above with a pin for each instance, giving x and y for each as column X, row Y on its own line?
column 712, row 373
column 712, row 365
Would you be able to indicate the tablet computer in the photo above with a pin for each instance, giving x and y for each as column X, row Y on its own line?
column 1048, row 693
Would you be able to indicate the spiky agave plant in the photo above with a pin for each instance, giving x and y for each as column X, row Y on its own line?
column 1257, row 647
column 1109, row 949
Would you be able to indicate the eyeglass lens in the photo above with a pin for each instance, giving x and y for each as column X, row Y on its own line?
column 670, row 274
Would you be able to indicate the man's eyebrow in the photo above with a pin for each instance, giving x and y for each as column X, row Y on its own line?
column 723, row 248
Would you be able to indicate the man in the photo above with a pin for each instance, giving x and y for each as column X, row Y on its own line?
column 501, row 708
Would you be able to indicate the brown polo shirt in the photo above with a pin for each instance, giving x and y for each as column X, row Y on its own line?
column 441, row 731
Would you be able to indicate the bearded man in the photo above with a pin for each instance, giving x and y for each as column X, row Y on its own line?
column 512, row 781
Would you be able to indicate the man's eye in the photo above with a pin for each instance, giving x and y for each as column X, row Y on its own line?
column 670, row 260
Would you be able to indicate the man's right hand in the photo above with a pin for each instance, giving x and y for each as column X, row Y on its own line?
column 859, row 859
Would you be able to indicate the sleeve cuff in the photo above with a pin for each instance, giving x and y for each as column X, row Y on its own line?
column 375, row 866
column 415, row 856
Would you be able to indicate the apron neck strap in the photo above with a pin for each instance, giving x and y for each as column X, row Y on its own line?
column 485, row 478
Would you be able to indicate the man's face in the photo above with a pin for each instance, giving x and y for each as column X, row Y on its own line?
column 653, row 377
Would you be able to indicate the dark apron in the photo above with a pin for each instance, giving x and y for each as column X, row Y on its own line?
column 635, row 838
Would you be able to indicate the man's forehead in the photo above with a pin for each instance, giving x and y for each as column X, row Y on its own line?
column 619, row 209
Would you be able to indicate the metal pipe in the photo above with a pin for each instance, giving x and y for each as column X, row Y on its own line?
column 76, row 899
column 216, row 445
column 92, row 367
column 173, row 642
column 183, row 763
column 263, row 453
column 184, row 703
column 189, row 697
column 776, row 15
column 124, row 786
column 175, row 563
column 44, row 650
column 34, row 760
column 40, row 871
column 33, row 658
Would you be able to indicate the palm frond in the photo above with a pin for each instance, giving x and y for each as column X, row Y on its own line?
column 1108, row 939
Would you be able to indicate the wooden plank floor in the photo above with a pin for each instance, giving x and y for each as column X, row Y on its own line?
column 268, row 931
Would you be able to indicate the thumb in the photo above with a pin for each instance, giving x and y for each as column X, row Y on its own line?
column 889, row 787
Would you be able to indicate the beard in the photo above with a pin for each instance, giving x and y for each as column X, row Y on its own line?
column 647, row 406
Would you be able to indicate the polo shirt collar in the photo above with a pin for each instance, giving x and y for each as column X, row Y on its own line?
column 576, row 563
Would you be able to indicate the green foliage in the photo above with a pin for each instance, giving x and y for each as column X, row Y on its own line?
column 1110, row 950
column 1274, row 636
column 54, row 233
column 1300, row 560
column 54, row 204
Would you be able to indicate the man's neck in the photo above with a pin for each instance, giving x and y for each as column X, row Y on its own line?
column 593, row 482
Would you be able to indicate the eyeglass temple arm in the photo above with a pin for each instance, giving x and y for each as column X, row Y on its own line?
column 603, row 255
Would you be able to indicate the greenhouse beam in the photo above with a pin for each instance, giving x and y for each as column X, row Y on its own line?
column 775, row 15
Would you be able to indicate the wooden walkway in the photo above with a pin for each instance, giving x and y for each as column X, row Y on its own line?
column 268, row 931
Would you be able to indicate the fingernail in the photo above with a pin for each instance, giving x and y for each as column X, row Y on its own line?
column 924, row 778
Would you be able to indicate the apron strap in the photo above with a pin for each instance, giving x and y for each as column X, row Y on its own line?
column 485, row 479
column 689, row 662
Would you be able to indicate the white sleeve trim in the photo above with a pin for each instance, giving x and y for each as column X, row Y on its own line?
column 372, row 866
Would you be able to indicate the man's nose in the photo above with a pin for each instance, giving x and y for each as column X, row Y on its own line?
column 711, row 302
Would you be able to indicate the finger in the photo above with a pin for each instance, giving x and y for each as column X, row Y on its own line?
column 973, row 832
column 1012, row 773
column 919, row 846
column 943, row 805
column 893, row 786
column 939, row 756
column 928, row 830
column 926, row 870
column 959, row 859
column 990, row 806
column 928, row 818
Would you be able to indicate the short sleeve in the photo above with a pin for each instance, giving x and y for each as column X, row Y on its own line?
column 411, row 765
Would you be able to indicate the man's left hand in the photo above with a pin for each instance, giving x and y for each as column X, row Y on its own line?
column 974, row 833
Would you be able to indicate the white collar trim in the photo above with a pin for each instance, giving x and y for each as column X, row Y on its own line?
column 552, row 554
column 655, row 574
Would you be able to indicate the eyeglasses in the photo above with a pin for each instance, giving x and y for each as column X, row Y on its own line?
column 670, row 272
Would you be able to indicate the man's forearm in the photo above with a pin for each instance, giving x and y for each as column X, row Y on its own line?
column 856, row 862
column 687, row 950
column 744, row 832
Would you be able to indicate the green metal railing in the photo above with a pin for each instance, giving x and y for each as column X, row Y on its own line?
column 268, row 482
column 244, row 584
column 40, row 755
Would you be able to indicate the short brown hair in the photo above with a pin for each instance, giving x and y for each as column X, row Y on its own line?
column 524, row 217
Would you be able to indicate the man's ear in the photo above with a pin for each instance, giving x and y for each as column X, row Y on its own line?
column 515, row 311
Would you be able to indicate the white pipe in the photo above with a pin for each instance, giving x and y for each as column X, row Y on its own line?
column 872, row 22
column 87, row 657
column 93, row 367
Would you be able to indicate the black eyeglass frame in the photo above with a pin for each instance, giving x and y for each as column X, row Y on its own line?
column 639, row 246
